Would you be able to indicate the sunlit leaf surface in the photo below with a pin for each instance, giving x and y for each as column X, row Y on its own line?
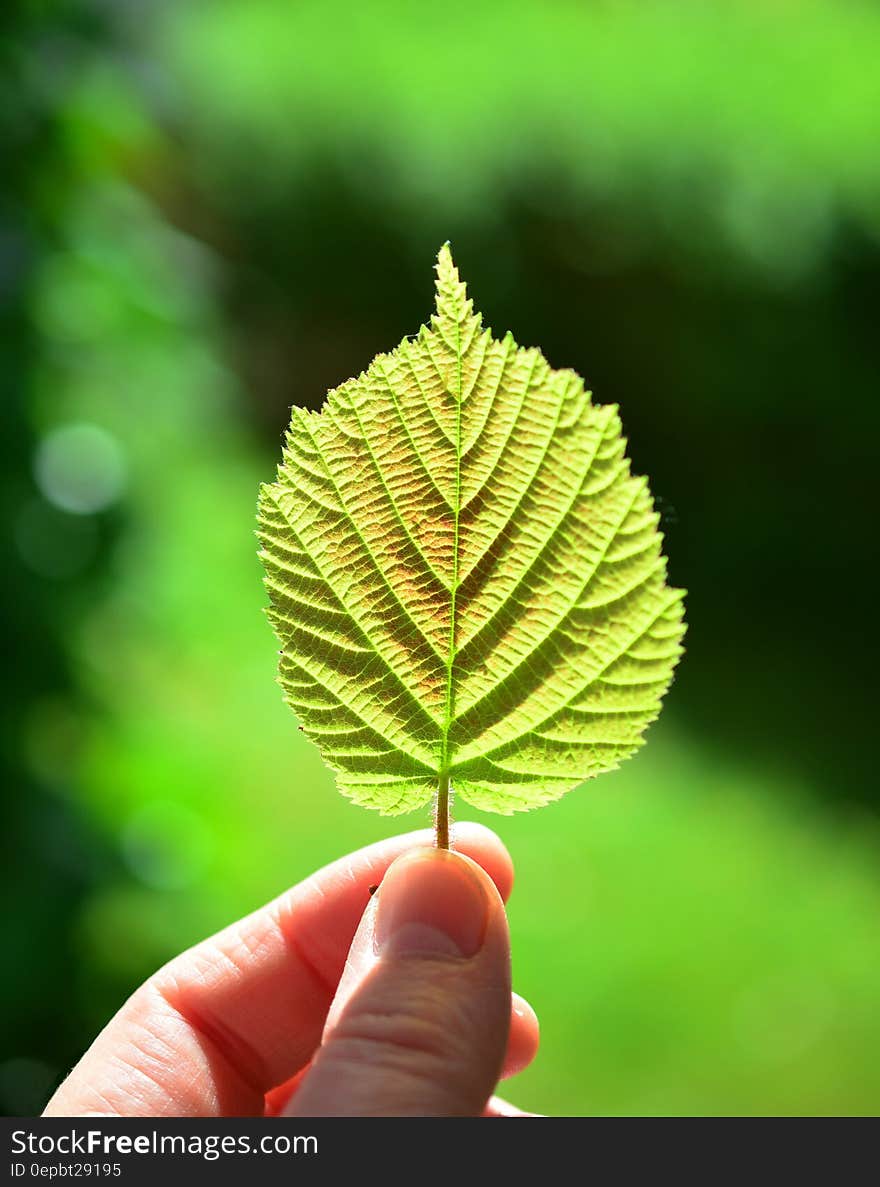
column 466, row 579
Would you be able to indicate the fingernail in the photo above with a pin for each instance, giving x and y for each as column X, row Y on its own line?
column 431, row 903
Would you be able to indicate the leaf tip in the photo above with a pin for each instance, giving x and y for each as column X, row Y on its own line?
column 445, row 266
column 452, row 299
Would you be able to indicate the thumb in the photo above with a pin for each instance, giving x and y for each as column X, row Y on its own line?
column 420, row 1021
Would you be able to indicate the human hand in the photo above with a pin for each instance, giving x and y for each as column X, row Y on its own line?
column 328, row 1002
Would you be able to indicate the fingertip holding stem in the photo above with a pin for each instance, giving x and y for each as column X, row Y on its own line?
column 431, row 902
column 421, row 1019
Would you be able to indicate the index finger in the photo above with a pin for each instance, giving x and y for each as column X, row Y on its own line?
column 220, row 1025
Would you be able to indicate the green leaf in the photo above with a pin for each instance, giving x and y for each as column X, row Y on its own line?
column 466, row 580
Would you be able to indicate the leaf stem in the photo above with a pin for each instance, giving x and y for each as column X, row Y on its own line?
column 441, row 813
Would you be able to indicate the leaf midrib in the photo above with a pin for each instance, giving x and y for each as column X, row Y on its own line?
column 443, row 772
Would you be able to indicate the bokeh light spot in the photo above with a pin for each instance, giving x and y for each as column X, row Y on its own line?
column 80, row 468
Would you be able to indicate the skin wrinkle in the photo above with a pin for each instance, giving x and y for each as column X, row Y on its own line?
column 324, row 984
column 377, row 1036
column 150, row 1066
column 388, row 1039
column 104, row 1097
column 426, row 1024
column 408, row 1084
column 232, row 1048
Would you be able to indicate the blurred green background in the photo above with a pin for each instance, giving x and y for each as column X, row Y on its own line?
column 210, row 211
